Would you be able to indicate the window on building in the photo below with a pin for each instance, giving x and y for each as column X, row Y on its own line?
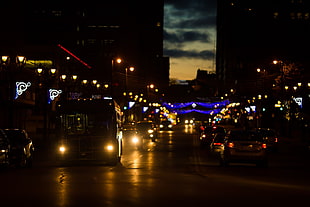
column 57, row 13
column 299, row 15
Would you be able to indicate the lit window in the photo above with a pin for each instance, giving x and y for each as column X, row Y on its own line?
column 91, row 41
column 57, row 13
column 299, row 15
column 275, row 15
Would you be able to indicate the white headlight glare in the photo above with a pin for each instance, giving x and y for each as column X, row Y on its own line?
column 109, row 147
column 135, row 140
column 62, row 149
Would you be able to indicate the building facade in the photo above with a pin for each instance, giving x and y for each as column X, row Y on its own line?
column 82, row 41
column 251, row 34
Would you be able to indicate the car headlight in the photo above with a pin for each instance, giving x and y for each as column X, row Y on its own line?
column 150, row 131
column 161, row 126
column 135, row 140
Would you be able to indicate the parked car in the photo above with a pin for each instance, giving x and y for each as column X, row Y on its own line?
column 244, row 146
column 207, row 135
column 21, row 153
column 4, row 149
column 270, row 137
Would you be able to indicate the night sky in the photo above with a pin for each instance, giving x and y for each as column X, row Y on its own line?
column 189, row 36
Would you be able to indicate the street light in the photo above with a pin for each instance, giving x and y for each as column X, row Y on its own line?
column 131, row 69
column 46, row 83
column 281, row 63
column 9, row 66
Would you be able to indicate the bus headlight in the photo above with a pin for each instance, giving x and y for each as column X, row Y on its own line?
column 109, row 147
column 62, row 149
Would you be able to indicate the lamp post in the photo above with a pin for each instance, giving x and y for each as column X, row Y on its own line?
column 9, row 68
column 47, row 93
column 281, row 63
column 131, row 69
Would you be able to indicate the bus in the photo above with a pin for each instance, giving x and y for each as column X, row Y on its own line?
column 89, row 129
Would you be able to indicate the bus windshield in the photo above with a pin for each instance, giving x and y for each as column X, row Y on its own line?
column 81, row 123
column 85, row 119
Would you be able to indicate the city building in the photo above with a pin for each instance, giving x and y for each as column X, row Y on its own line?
column 262, row 59
column 82, row 40
column 251, row 34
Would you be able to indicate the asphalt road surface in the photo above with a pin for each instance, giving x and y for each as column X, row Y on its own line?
column 173, row 171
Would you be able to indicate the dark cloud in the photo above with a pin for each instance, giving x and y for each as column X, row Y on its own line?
column 188, row 22
column 201, row 6
column 184, row 37
column 203, row 22
column 205, row 54
column 190, row 14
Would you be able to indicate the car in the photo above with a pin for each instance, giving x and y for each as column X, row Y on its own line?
column 270, row 137
column 146, row 130
column 4, row 149
column 244, row 146
column 165, row 125
column 217, row 143
column 207, row 134
column 22, row 149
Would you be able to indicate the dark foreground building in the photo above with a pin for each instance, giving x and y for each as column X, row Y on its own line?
column 262, row 59
column 251, row 34
column 81, row 40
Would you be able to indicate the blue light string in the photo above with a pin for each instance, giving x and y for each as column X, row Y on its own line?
column 203, row 104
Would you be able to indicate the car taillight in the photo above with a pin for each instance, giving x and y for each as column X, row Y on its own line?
column 264, row 146
column 217, row 143
column 230, row 145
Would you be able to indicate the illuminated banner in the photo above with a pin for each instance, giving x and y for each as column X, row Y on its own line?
column 53, row 93
column 21, row 87
column 298, row 100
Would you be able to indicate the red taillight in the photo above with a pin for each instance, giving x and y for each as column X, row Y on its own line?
column 230, row 145
column 264, row 146
column 217, row 143
column 276, row 139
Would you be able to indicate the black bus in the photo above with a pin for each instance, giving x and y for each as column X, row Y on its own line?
column 89, row 129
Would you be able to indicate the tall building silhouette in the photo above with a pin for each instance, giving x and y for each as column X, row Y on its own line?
column 96, row 32
column 93, row 33
column 251, row 34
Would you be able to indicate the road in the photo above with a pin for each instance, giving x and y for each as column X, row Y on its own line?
column 173, row 171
